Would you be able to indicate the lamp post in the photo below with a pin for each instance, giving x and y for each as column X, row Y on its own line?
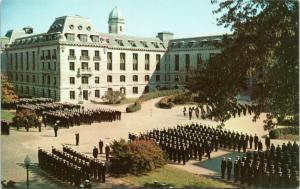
column 27, row 162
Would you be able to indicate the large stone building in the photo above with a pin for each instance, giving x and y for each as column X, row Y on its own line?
column 73, row 62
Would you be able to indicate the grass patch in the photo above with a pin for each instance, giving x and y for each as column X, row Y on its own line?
column 175, row 177
column 7, row 115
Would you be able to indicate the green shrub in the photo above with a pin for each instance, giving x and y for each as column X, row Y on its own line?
column 25, row 118
column 133, row 107
column 277, row 133
column 183, row 98
column 166, row 102
column 136, row 157
column 113, row 97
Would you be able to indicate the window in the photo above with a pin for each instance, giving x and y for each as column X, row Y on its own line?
column 21, row 61
column 54, row 82
column 135, row 78
column 122, row 78
column 72, row 94
column 49, row 66
column 199, row 61
column 33, row 79
column 146, row 77
column 84, row 65
column 43, row 79
column 135, row 61
column 33, row 60
column 48, row 79
column 97, row 80
column 120, row 42
column 27, row 61
column 54, row 54
column 72, row 66
column 16, row 60
column 132, row 43
column 82, row 37
column 48, row 57
column 120, row 28
column 135, row 90
column 147, row 62
column 97, row 55
column 72, row 80
column 84, row 80
column 27, row 78
column 157, row 62
column 109, row 78
column 109, row 29
column 97, row 93
column 22, row 77
column 155, row 44
column 122, row 61
column 71, row 52
column 109, row 61
column 17, row 77
column 95, row 38
column 70, row 36
column 176, row 78
column 187, row 62
column 157, row 77
column 123, row 90
column 176, row 62
column 144, row 43
column 84, row 53
column 97, row 67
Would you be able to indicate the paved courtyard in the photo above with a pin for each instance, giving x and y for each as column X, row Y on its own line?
column 19, row 143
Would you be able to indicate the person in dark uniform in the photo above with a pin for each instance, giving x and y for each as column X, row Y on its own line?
column 95, row 152
column 229, row 168
column 255, row 141
column 101, row 146
column 223, row 167
column 103, row 172
column 77, row 138
column 236, row 170
column 260, row 145
column 184, row 111
column 107, row 151
column 55, row 129
column 267, row 142
column 251, row 141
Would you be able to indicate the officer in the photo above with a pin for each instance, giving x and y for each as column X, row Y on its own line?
column 260, row 145
column 267, row 142
column 236, row 170
column 223, row 167
column 103, row 172
column 255, row 141
column 77, row 138
column 229, row 168
column 55, row 129
column 107, row 151
column 100, row 145
column 251, row 141
column 184, row 111
column 95, row 152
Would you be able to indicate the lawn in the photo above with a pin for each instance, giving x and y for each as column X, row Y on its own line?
column 176, row 178
column 6, row 115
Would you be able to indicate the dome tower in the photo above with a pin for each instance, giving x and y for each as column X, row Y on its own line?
column 116, row 22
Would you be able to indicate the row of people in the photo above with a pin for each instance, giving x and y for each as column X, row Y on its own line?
column 264, row 169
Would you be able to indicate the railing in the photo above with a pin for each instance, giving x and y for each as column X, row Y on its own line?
column 85, row 71
column 84, row 58
column 97, row 58
column 71, row 57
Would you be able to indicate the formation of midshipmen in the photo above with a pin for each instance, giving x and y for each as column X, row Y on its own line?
column 195, row 140
column 276, row 167
column 71, row 168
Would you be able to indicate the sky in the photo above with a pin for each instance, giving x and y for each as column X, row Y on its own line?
column 184, row 18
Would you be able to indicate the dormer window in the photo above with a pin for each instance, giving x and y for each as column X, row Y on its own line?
column 80, row 27
column 190, row 44
column 95, row 38
column 173, row 45
column 132, row 43
column 180, row 44
column 144, row 43
column 70, row 36
column 120, row 42
column 163, row 46
column 71, row 26
column 82, row 37
column 155, row 44
column 88, row 28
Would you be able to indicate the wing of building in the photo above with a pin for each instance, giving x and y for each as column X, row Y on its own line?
column 72, row 62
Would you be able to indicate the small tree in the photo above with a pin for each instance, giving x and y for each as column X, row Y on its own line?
column 136, row 157
column 113, row 97
column 8, row 95
column 25, row 118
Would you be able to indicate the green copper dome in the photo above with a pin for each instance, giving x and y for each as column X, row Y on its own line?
column 116, row 14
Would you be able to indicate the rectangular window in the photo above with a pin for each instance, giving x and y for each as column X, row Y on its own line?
column 176, row 62
column 70, row 37
column 33, row 60
column 43, row 55
column 122, row 78
column 84, row 53
column 97, row 93
column 82, row 37
column 27, row 61
column 95, row 38
column 33, row 79
column 199, row 61
column 147, row 62
column 97, row 55
column 72, row 80
column 71, row 52
column 97, row 67
column 48, row 57
column 146, row 77
column 72, row 66
column 135, row 90
column 21, row 61
column 97, row 80
column 109, row 61
column 122, row 61
column 157, row 62
column 27, row 78
column 84, row 65
column 49, row 66
column 84, row 80
column 54, row 54
column 109, row 78
column 16, row 60
column 135, row 61
column 72, row 94
column 135, row 78
column 187, row 62
column 157, row 77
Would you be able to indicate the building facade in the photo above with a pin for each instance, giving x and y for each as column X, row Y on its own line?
column 72, row 62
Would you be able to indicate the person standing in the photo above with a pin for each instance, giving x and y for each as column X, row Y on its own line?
column 55, row 129
column 229, row 168
column 255, row 141
column 184, row 111
column 223, row 167
column 77, row 138
column 251, row 141
column 267, row 142
column 101, row 146
column 107, row 151
column 95, row 152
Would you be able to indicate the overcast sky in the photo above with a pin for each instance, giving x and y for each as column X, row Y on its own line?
column 185, row 18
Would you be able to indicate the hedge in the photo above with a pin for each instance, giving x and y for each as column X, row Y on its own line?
column 276, row 133
column 166, row 102
column 151, row 95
